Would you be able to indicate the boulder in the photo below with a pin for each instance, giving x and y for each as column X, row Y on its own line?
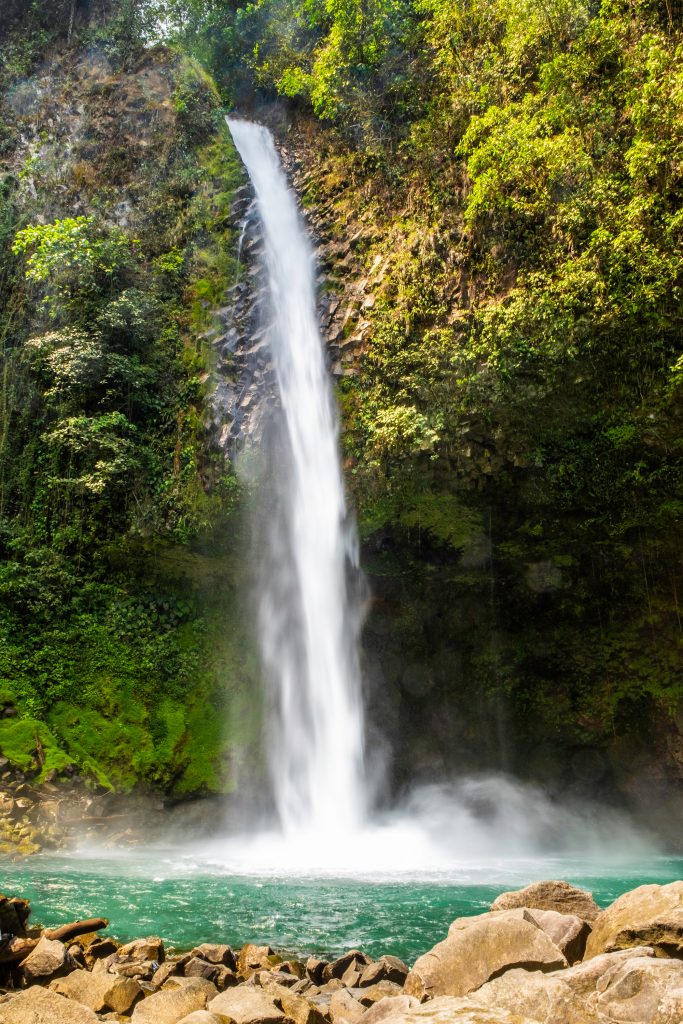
column 651, row 915
column 449, row 1010
column 138, row 959
column 100, row 948
column 198, row 968
column 387, row 968
column 477, row 948
column 294, row 1006
column 104, row 966
column 216, row 954
column 253, row 958
column 344, row 1007
column 550, row 895
column 143, row 970
column 77, row 954
column 171, row 1005
column 37, row 1005
column 354, row 959
column 642, row 989
column 294, row 967
column 14, row 915
column 204, row 1017
column 388, row 1007
column 567, row 931
column 303, row 986
column 247, row 1005
column 99, row 991
column 123, row 995
column 352, row 975
column 168, row 969
column 613, row 987
column 333, row 985
column 280, row 977
column 151, row 948
column 315, row 969
column 373, row 993
column 49, row 959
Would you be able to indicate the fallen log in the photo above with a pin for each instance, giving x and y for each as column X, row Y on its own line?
column 71, row 931
column 17, row 949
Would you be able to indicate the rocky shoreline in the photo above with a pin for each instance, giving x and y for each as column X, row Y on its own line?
column 542, row 955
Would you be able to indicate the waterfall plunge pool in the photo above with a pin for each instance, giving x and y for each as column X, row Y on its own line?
column 187, row 902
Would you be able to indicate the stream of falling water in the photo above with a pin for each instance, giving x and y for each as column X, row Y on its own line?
column 307, row 622
column 308, row 631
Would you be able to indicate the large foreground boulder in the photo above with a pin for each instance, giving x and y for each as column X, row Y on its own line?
column 465, row 1010
column 101, row 992
column 37, row 1005
column 477, row 948
column 629, row 986
column 171, row 1005
column 550, row 895
column 651, row 915
column 247, row 1005
column 204, row 1017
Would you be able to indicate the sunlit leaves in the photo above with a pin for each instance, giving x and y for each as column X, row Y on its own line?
column 95, row 452
column 70, row 256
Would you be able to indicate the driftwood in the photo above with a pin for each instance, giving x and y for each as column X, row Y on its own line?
column 17, row 949
column 71, row 931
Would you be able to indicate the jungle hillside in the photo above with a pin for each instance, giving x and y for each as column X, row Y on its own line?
column 495, row 191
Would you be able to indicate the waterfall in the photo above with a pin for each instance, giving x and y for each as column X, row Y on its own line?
column 307, row 621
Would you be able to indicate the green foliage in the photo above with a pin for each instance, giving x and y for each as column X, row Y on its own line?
column 110, row 661
column 75, row 256
column 443, row 516
column 29, row 744
column 523, row 375
column 513, row 431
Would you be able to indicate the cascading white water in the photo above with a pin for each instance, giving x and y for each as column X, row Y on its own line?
column 308, row 629
column 307, row 623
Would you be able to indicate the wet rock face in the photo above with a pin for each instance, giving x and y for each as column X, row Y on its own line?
column 347, row 287
column 245, row 389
